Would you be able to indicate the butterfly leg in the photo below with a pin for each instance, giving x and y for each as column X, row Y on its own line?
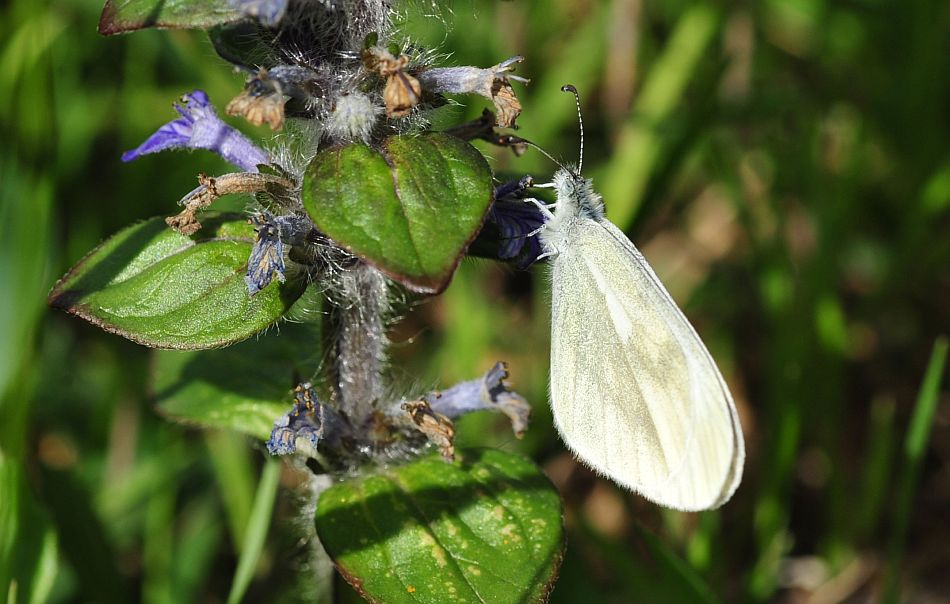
column 543, row 208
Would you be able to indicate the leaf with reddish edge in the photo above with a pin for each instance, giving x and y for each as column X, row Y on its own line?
column 409, row 208
column 119, row 16
column 159, row 288
column 487, row 528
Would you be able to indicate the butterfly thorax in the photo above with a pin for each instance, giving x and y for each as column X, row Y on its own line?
column 576, row 200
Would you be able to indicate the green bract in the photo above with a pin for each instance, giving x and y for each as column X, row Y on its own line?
column 244, row 387
column 156, row 287
column 487, row 528
column 409, row 208
column 129, row 15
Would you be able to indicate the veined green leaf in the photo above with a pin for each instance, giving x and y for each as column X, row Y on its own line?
column 487, row 528
column 156, row 287
column 410, row 208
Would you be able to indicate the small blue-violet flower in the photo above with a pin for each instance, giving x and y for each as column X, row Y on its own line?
column 305, row 420
column 267, row 256
column 199, row 127
column 518, row 222
column 489, row 392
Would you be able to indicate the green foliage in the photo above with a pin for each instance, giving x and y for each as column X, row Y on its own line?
column 410, row 208
column 643, row 138
column 120, row 16
column 259, row 522
column 243, row 387
column 161, row 289
column 28, row 545
column 918, row 435
column 242, row 44
column 487, row 528
column 810, row 137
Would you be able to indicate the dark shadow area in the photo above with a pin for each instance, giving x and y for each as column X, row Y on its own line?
column 265, row 367
column 106, row 267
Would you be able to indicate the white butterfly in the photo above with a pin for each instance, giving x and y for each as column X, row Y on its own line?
column 634, row 391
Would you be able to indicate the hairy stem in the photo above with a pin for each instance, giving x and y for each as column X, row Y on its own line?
column 360, row 324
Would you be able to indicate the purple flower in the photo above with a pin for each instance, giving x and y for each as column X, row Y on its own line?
column 517, row 221
column 199, row 127
column 267, row 256
column 491, row 391
column 305, row 420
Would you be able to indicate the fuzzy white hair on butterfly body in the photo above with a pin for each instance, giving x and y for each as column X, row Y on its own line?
column 576, row 198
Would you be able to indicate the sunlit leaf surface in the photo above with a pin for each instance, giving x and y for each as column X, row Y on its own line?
column 487, row 528
column 156, row 287
column 410, row 208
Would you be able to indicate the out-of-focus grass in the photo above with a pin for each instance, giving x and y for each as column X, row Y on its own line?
column 785, row 166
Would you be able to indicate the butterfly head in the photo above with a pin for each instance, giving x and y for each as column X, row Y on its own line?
column 576, row 195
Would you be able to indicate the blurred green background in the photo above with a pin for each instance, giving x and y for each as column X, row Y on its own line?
column 785, row 165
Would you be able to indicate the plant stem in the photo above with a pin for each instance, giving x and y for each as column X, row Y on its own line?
column 361, row 341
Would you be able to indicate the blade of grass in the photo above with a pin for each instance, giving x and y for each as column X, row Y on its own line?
column 83, row 540
column 882, row 452
column 676, row 569
column 47, row 567
column 232, row 467
column 29, row 551
column 24, row 264
column 199, row 539
column 150, row 476
column 578, row 62
column 918, row 436
column 640, row 144
column 699, row 548
column 257, row 528
column 655, row 573
column 157, row 552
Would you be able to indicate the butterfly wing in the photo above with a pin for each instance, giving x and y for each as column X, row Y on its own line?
column 634, row 391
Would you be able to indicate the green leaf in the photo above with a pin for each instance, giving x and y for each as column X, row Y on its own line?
column 244, row 387
column 410, row 208
column 120, row 16
column 487, row 528
column 161, row 289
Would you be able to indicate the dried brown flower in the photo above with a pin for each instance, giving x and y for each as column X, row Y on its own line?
column 402, row 91
column 261, row 101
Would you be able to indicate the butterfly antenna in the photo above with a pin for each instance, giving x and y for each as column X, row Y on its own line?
column 580, row 120
column 509, row 140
